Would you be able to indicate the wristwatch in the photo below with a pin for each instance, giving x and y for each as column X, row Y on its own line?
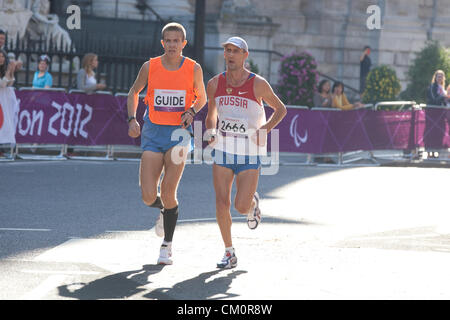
column 131, row 118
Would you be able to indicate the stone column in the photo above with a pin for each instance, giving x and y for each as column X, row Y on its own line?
column 441, row 26
column 127, row 8
column 403, row 34
column 107, row 8
column 240, row 18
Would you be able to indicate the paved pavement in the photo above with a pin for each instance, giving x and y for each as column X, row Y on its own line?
column 78, row 230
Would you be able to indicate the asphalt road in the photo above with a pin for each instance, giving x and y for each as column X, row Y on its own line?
column 78, row 230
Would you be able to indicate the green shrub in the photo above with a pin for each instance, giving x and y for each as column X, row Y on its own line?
column 431, row 58
column 382, row 84
column 298, row 79
column 253, row 66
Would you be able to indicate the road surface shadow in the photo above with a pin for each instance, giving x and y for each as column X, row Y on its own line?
column 116, row 286
column 127, row 284
column 199, row 288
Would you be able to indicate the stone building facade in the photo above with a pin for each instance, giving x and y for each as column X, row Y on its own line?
column 333, row 31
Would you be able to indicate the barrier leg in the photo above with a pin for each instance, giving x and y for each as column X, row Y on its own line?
column 104, row 149
column 36, row 147
column 295, row 159
column 11, row 155
column 360, row 155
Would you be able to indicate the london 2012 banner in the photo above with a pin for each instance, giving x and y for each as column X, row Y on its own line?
column 98, row 119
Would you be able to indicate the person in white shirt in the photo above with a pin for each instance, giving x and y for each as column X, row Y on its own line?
column 86, row 80
column 6, row 70
column 9, row 106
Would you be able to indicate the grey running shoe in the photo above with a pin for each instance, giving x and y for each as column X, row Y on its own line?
column 254, row 218
column 228, row 261
column 165, row 254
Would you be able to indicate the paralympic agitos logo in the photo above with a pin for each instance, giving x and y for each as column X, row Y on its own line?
column 298, row 139
column 1, row 116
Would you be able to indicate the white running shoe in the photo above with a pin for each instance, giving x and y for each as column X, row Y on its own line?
column 159, row 227
column 254, row 218
column 228, row 261
column 165, row 254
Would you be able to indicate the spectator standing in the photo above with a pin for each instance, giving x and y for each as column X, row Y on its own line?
column 322, row 98
column 42, row 78
column 2, row 39
column 9, row 106
column 437, row 95
column 86, row 80
column 6, row 70
column 15, row 64
column 448, row 94
column 365, row 64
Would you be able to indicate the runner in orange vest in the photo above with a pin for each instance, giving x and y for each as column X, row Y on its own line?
column 175, row 93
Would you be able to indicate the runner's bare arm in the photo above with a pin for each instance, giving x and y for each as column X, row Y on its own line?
column 133, row 99
column 139, row 84
column 211, row 117
column 264, row 91
column 199, row 87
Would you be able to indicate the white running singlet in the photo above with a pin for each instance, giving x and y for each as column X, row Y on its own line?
column 240, row 115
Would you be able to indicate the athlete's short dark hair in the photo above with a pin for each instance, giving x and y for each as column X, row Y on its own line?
column 173, row 26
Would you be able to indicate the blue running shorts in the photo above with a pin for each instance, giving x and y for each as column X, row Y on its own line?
column 157, row 137
column 237, row 163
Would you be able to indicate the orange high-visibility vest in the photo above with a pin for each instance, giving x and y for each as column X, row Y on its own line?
column 169, row 93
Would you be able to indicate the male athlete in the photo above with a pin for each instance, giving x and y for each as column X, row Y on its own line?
column 238, row 127
column 175, row 93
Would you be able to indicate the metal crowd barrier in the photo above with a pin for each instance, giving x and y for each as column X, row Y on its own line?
column 132, row 153
column 7, row 152
column 399, row 105
column 340, row 158
column 432, row 155
column 96, row 92
column 44, row 89
column 423, row 154
column 75, row 152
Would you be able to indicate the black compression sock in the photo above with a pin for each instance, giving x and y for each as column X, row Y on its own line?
column 157, row 203
column 170, row 221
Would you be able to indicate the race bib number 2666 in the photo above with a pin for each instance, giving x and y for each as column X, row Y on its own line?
column 233, row 126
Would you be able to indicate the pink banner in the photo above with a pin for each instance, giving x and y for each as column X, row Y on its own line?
column 97, row 119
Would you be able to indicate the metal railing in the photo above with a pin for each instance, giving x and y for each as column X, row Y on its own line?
column 396, row 105
column 32, row 151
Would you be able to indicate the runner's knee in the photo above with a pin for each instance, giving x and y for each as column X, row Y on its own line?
column 243, row 207
column 149, row 197
column 223, row 205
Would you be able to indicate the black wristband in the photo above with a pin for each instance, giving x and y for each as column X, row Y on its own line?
column 131, row 118
column 192, row 114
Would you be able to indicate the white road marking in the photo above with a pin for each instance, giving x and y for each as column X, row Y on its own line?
column 396, row 237
column 24, row 229
column 209, row 219
column 115, row 251
column 67, row 272
column 44, row 288
column 125, row 231
column 180, row 221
